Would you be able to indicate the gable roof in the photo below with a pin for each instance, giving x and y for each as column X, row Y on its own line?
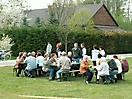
column 33, row 14
column 94, row 8
column 44, row 15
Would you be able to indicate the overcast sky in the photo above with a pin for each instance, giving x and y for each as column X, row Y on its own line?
column 38, row 4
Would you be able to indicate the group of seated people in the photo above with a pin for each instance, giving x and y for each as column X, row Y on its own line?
column 43, row 64
column 56, row 66
column 111, row 70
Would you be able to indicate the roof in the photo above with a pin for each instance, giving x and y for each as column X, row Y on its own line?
column 44, row 15
column 92, row 7
column 108, row 28
column 33, row 14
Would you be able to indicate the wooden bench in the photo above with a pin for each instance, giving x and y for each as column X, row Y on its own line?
column 73, row 71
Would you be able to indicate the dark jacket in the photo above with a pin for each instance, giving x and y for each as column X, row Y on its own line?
column 76, row 53
column 112, row 65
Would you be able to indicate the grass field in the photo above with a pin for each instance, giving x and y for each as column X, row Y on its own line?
column 11, row 87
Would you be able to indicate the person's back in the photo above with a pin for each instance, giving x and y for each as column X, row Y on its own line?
column 118, row 63
column 31, row 63
column 95, row 53
column 125, row 66
column 46, row 64
column 112, row 65
column 104, row 69
column 65, row 63
column 39, row 60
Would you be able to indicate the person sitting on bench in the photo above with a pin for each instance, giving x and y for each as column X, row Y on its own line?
column 65, row 64
column 31, row 64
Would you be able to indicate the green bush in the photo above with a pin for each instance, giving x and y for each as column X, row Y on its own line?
column 35, row 38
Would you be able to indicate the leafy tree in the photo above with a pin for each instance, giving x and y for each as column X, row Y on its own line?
column 84, row 22
column 38, row 22
column 5, row 43
column 25, row 22
column 114, row 6
column 122, row 21
column 52, row 20
column 76, row 22
column 12, row 12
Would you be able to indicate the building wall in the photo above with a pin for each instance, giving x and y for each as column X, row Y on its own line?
column 102, row 18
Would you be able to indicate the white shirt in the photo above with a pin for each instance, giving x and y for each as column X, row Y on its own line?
column 118, row 63
column 95, row 53
column 84, row 50
column 102, row 52
column 103, row 69
column 49, row 48
column 39, row 60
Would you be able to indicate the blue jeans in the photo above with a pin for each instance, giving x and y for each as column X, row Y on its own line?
column 112, row 73
column 51, row 71
column 89, row 74
column 27, row 73
column 60, row 71
column 76, row 59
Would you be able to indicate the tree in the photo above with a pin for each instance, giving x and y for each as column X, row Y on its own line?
column 76, row 22
column 12, row 12
column 52, row 20
column 63, row 9
column 38, row 22
column 25, row 21
column 122, row 21
column 81, row 19
column 5, row 43
column 114, row 6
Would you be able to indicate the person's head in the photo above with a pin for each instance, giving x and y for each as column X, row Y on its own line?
column 39, row 54
column 85, row 57
column 95, row 47
column 75, row 45
column 82, row 45
column 123, row 58
column 33, row 53
column 103, row 59
column 20, row 54
column 115, row 57
column 70, row 54
column 24, row 54
column 63, row 53
column 99, row 55
column 46, row 55
column 101, row 48
column 53, row 55
column 38, row 51
column 48, row 42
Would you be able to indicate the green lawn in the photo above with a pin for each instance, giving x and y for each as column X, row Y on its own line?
column 11, row 87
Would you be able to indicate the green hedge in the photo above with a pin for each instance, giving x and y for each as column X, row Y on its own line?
column 35, row 38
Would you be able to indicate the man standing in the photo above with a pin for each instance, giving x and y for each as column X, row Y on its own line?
column 58, row 49
column 49, row 48
column 76, row 53
column 94, row 53
column 84, row 50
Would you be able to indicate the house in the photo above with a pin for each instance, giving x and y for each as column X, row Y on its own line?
column 101, row 16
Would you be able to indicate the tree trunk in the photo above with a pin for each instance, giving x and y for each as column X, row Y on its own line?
column 66, row 44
